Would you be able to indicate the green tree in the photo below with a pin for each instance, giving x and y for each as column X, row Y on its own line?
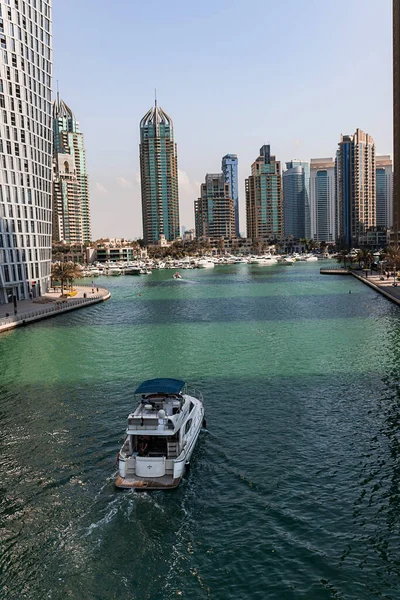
column 64, row 273
column 343, row 257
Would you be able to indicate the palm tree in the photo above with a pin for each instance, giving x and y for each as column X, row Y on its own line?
column 392, row 255
column 312, row 244
column 64, row 272
column 305, row 243
column 221, row 245
column 343, row 257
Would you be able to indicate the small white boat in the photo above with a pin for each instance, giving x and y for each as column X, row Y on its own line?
column 287, row 260
column 161, row 435
column 177, row 275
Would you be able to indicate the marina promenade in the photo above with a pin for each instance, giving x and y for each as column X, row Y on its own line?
column 382, row 284
column 49, row 305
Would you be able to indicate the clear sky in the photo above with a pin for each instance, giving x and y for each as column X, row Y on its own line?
column 232, row 74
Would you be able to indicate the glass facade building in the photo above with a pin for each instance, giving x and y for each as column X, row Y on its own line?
column 384, row 192
column 71, row 206
column 296, row 199
column 25, row 148
column 264, row 210
column 230, row 171
column 322, row 199
column 159, row 177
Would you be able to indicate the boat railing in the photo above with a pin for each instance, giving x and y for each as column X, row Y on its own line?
column 195, row 393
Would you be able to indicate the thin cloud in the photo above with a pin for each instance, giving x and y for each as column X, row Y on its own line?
column 124, row 183
column 101, row 189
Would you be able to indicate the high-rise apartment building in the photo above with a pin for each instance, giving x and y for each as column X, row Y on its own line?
column 396, row 119
column 71, row 206
column 322, row 200
column 296, row 199
column 230, row 171
column 264, row 210
column 25, row 148
column 355, row 187
column 214, row 211
column 159, row 177
column 384, row 192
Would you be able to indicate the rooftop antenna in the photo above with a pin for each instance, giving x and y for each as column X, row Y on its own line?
column 58, row 94
column 155, row 96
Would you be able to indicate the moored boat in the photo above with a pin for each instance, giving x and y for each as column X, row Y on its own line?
column 161, row 435
column 132, row 271
column 205, row 263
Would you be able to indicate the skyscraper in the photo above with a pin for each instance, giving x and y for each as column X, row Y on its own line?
column 230, row 171
column 214, row 211
column 396, row 119
column 264, row 209
column 296, row 202
column 159, row 177
column 355, row 187
column 384, row 192
column 71, row 206
column 26, row 149
column 322, row 200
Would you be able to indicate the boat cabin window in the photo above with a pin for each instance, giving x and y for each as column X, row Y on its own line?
column 191, row 407
column 188, row 425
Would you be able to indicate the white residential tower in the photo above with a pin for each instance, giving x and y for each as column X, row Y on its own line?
column 25, row 148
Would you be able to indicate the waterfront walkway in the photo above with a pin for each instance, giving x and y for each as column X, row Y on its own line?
column 380, row 283
column 49, row 305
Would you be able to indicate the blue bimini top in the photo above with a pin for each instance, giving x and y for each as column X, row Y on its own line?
column 161, row 386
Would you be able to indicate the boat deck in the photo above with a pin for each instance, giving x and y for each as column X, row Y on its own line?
column 152, row 483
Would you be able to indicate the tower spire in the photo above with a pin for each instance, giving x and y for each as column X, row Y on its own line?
column 155, row 97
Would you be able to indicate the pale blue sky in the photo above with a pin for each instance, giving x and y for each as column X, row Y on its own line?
column 233, row 75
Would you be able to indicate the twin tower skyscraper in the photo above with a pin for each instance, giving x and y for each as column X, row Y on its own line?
column 159, row 178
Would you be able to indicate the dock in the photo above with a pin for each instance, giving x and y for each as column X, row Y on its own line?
column 49, row 305
column 339, row 271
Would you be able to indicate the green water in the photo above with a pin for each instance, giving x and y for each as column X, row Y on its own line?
column 294, row 487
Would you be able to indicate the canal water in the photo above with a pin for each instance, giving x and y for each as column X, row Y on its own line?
column 294, row 488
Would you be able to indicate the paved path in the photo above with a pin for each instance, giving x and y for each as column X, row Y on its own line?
column 378, row 282
column 384, row 286
column 49, row 305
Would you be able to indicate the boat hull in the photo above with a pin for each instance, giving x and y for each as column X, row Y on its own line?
column 167, row 482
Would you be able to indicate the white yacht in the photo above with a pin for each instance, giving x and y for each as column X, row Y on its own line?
column 161, row 435
column 287, row 260
column 132, row 270
column 267, row 259
column 114, row 271
column 205, row 263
